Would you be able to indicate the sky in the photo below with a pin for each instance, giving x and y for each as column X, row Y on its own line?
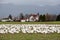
column 15, row 6
column 31, row 2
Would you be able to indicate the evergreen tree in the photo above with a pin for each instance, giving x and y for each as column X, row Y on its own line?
column 10, row 16
column 21, row 16
column 58, row 18
column 40, row 18
column 43, row 18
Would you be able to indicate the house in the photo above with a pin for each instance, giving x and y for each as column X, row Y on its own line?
column 6, row 20
column 23, row 20
column 33, row 17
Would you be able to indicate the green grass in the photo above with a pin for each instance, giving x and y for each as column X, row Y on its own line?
column 21, row 36
column 54, row 22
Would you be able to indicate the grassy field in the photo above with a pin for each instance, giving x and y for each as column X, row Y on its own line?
column 54, row 22
column 21, row 36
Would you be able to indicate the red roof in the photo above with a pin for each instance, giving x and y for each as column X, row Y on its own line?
column 34, row 15
column 23, row 19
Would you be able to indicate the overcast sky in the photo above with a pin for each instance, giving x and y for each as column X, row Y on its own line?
column 27, row 6
column 31, row 2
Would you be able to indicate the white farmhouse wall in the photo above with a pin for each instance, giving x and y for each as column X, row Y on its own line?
column 31, row 18
column 23, row 20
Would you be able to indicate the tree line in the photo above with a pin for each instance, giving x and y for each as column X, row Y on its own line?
column 42, row 17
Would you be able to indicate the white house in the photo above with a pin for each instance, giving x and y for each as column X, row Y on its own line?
column 6, row 20
column 23, row 20
column 34, row 17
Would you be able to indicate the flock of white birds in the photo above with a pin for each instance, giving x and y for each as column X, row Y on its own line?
column 29, row 28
